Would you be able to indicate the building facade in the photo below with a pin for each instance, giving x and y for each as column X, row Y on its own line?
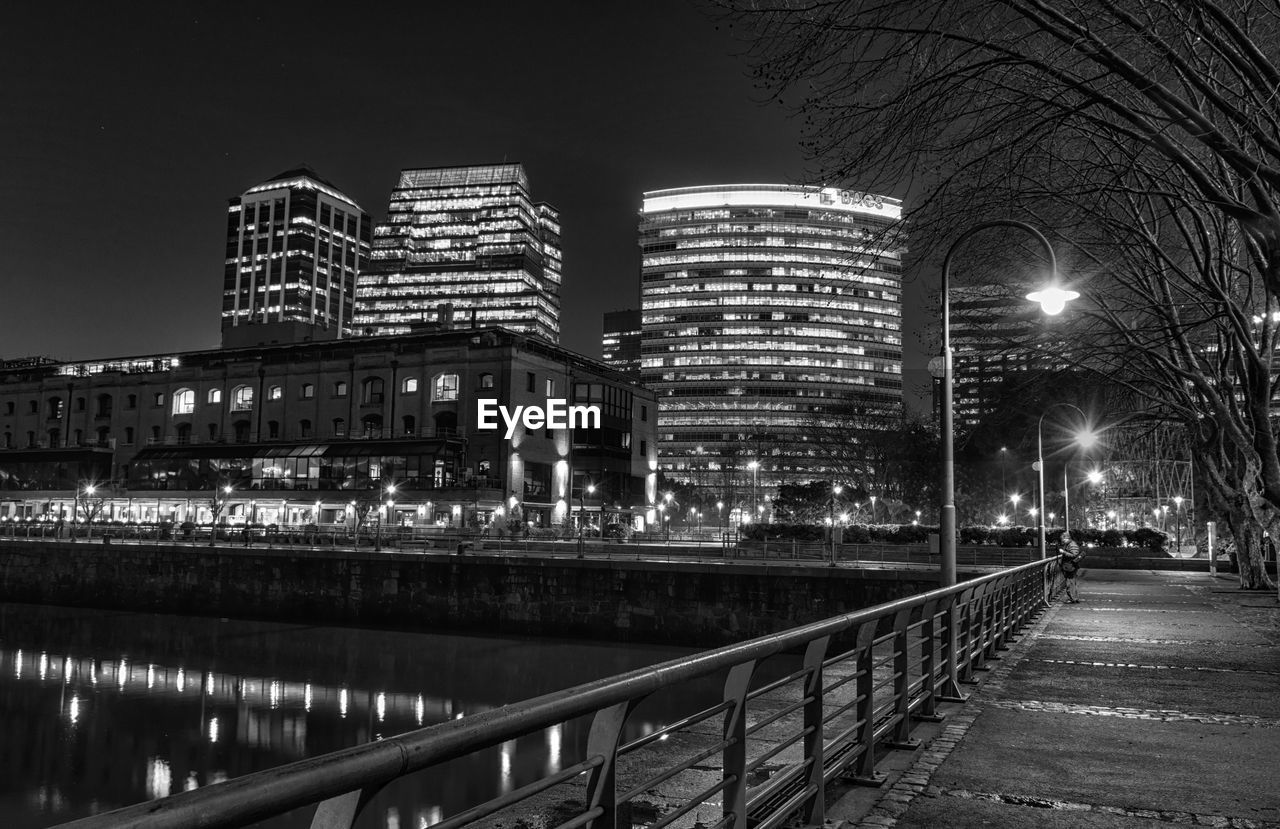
column 620, row 342
column 470, row 239
column 766, row 309
column 295, row 249
column 309, row 433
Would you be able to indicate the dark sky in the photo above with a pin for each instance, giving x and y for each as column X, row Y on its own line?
column 127, row 127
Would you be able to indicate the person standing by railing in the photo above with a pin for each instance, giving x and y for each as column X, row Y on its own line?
column 1069, row 557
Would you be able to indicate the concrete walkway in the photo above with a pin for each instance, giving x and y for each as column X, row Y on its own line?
column 1155, row 700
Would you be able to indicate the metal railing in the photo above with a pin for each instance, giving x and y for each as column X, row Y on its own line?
column 864, row 677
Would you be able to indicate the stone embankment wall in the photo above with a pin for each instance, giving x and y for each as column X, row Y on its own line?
column 691, row 603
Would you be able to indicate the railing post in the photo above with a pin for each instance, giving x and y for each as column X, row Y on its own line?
column 929, row 652
column 865, row 773
column 966, row 602
column 950, row 658
column 735, row 755
column 340, row 812
column 602, row 789
column 814, row 740
column 902, row 684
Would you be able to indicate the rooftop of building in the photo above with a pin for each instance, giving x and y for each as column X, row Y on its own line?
column 302, row 176
column 488, row 337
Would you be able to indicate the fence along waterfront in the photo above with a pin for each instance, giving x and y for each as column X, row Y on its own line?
column 891, row 664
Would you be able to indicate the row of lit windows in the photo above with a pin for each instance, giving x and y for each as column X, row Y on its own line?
column 653, row 323
column 786, row 242
column 721, row 228
column 445, row 388
column 833, row 303
column 783, row 360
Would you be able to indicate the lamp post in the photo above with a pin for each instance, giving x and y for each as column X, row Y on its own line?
column 1177, row 500
column 831, row 513
column 873, row 509
column 754, row 466
column 1050, row 299
column 1085, row 439
column 720, row 513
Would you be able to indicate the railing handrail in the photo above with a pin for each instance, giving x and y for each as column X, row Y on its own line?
column 270, row 792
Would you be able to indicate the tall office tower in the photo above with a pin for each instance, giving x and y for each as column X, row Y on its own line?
column 621, row 341
column 468, row 239
column 295, row 247
column 765, row 308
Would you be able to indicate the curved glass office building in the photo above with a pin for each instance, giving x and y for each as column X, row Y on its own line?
column 765, row 307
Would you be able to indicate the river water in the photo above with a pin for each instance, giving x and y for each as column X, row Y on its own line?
column 101, row 709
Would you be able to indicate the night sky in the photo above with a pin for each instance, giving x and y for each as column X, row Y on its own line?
column 127, row 127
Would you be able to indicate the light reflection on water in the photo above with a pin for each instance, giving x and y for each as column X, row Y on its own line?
column 101, row 709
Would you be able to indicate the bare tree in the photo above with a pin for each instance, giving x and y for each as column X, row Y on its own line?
column 1144, row 134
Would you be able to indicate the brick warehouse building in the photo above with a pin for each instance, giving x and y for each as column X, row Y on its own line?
column 308, row 432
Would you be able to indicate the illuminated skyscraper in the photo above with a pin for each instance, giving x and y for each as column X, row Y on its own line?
column 766, row 307
column 620, row 343
column 295, row 247
column 466, row 237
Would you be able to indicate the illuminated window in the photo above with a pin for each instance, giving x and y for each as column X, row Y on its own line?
column 340, row 388
column 410, row 385
column 241, row 399
column 159, row 400
column 446, row 388
column 215, row 396
column 486, row 381
column 308, row 391
column 184, row 401
column 275, row 393
column 551, row 387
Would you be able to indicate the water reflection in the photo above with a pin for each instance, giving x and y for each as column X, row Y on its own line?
column 101, row 709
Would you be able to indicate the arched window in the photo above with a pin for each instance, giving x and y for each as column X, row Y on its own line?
column 55, row 437
column 55, row 407
column 104, row 406
column 215, row 396
column 486, row 381
column 340, row 388
column 155, row 434
column 242, row 399
column 339, row 427
column 184, row 433
column 213, row 431
column 35, row 407
column 132, row 401
column 128, row 436
column 184, row 402
column 273, row 429
column 410, row 424
column 241, row 428
column 410, row 385
column 31, row 438
column 80, row 404
column 304, row 428
column 308, row 391
column 372, row 425
column 446, row 388
column 371, row 390
column 8, row 440
column 275, row 393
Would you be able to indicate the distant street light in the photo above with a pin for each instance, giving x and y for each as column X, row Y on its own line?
column 1085, row 438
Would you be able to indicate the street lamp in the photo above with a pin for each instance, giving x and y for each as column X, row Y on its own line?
column 1177, row 500
column 754, row 466
column 873, row 509
column 720, row 513
column 831, row 519
column 1085, row 439
column 947, row 476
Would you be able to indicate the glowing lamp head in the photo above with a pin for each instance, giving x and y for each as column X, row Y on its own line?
column 1095, row 477
column 1053, row 300
column 1087, row 439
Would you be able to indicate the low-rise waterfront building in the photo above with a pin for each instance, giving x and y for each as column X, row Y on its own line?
column 316, row 432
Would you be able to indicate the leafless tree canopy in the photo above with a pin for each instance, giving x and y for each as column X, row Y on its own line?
column 1143, row 136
